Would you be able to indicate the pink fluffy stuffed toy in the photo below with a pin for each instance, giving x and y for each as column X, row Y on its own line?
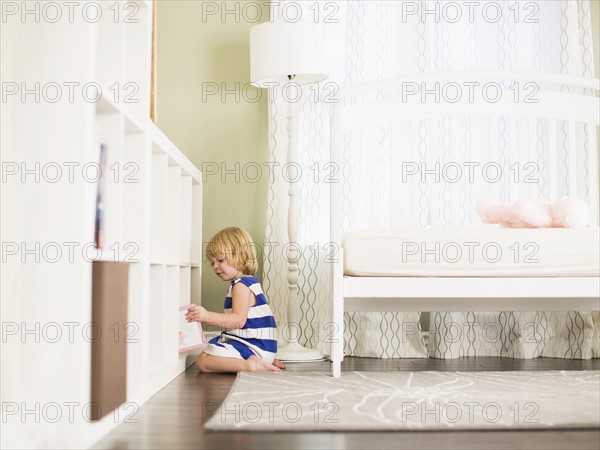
column 566, row 212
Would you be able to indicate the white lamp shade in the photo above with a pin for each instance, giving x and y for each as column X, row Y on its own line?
column 279, row 49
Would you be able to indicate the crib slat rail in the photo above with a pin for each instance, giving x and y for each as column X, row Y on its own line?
column 471, row 294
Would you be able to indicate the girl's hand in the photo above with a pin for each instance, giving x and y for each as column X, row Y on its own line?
column 196, row 313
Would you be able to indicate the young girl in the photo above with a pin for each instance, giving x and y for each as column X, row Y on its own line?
column 249, row 341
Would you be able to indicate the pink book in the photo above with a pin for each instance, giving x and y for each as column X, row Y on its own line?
column 191, row 335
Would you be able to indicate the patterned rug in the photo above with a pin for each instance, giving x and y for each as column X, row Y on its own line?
column 377, row 401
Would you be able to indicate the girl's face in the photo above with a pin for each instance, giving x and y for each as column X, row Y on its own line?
column 223, row 270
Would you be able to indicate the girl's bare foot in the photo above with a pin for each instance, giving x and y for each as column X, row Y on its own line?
column 256, row 364
column 279, row 364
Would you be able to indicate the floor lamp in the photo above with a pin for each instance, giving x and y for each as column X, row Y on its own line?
column 284, row 53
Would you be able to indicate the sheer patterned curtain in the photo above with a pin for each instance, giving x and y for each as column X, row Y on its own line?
column 372, row 40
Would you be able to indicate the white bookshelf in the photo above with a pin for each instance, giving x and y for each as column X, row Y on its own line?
column 153, row 216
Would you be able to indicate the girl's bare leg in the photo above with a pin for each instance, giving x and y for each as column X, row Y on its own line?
column 212, row 363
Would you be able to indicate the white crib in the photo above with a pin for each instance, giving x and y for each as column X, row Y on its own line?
column 561, row 102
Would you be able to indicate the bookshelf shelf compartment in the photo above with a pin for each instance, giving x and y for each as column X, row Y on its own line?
column 171, row 314
column 158, row 212
column 133, row 178
column 157, row 323
column 185, row 219
column 173, row 213
column 196, row 211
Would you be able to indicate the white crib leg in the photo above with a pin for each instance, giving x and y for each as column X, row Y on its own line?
column 337, row 353
column 337, row 343
column 337, row 368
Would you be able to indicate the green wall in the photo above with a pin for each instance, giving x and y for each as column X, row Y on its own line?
column 202, row 55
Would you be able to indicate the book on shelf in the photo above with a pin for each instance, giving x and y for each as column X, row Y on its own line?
column 191, row 335
column 99, row 223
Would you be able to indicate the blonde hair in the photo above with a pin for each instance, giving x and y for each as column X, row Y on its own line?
column 237, row 246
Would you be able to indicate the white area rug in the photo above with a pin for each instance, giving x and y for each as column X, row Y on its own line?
column 375, row 401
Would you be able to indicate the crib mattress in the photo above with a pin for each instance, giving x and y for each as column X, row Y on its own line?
column 475, row 252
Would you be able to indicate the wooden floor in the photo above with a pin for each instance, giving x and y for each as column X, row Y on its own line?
column 174, row 418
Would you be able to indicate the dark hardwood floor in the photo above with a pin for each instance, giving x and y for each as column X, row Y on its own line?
column 174, row 417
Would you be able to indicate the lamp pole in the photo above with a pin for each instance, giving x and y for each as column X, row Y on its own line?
column 293, row 351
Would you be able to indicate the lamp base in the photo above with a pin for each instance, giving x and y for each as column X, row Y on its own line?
column 294, row 352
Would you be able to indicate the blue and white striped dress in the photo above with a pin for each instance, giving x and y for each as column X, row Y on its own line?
column 259, row 334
